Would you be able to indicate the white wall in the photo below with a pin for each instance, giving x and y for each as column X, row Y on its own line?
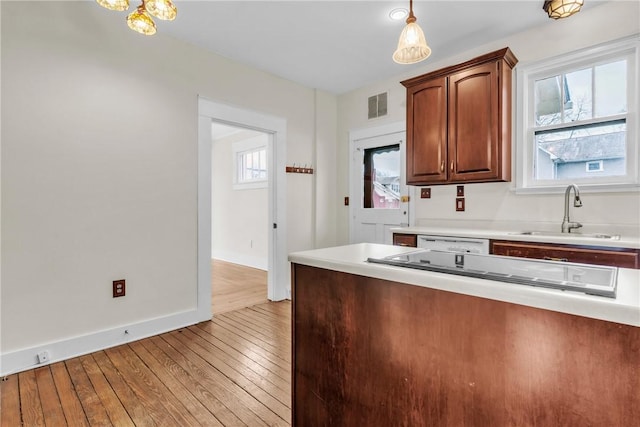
column 239, row 231
column 99, row 171
column 495, row 204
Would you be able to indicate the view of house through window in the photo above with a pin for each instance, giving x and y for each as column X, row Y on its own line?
column 580, row 124
column 381, row 173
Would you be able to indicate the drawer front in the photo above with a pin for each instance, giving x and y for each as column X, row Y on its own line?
column 410, row 240
column 617, row 257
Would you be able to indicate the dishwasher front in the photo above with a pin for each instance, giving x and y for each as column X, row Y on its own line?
column 454, row 244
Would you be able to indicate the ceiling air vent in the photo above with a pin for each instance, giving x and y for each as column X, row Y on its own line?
column 378, row 105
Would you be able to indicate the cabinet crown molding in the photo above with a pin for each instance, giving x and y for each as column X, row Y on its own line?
column 504, row 54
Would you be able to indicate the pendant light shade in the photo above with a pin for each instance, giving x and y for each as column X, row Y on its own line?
column 139, row 21
column 117, row 5
column 557, row 9
column 412, row 46
column 162, row 9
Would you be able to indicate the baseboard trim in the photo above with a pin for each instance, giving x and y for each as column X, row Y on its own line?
column 22, row 360
column 246, row 260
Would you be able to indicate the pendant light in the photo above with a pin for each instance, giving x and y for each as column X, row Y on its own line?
column 117, row 5
column 412, row 46
column 161, row 9
column 558, row 9
column 140, row 21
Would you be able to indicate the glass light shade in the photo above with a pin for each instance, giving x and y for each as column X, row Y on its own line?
column 139, row 21
column 412, row 46
column 117, row 5
column 557, row 9
column 162, row 9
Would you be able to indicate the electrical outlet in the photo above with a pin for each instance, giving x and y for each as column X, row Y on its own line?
column 425, row 193
column 119, row 288
column 43, row 357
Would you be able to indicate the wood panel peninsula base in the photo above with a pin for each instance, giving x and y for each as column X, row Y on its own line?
column 374, row 352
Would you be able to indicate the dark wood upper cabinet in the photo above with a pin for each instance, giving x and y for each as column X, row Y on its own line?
column 459, row 122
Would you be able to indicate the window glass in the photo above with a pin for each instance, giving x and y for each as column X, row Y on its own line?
column 381, row 177
column 252, row 165
column 611, row 88
column 567, row 139
column 578, row 96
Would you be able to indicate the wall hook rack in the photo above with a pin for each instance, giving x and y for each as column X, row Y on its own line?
column 298, row 169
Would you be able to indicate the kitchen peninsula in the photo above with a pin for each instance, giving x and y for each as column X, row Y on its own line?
column 383, row 345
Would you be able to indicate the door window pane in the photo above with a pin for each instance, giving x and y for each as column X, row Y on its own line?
column 381, row 177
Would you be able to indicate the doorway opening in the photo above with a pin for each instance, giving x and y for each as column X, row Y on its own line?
column 239, row 214
column 210, row 112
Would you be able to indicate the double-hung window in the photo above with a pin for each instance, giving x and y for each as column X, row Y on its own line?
column 578, row 119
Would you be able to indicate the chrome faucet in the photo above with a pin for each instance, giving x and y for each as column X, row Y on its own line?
column 567, row 225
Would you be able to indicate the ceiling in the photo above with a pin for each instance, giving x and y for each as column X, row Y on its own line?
column 338, row 46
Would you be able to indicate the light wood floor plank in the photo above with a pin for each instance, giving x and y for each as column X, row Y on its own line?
column 258, row 387
column 116, row 412
column 10, row 402
column 236, row 286
column 266, row 327
column 30, row 400
column 237, row 346
column 134, row 407
column 225, row 391
column 244, row 362
column 191, row 378
column 51, row 406
column 156, row 399
column 280, row 349
column 71, row 406
column 164, row 373
column 226, row 372
column 95, row 412
column 231, row 391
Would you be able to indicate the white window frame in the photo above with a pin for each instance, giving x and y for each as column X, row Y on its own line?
column 241, row 148
column 590, row 162
column 627, row 48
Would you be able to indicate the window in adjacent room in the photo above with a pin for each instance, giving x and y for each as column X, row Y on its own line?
column 250, row 163
column 579, row 119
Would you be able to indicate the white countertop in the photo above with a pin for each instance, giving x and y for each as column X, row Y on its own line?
column 625, row 308
column 559, row 238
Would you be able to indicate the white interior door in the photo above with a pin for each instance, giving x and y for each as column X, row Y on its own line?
column 378, row 196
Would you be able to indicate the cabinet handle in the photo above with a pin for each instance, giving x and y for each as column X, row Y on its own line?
column 451, row 166
column 442, row 166
column 550, row 258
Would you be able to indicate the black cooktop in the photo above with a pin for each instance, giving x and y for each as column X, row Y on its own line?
column 587, row 278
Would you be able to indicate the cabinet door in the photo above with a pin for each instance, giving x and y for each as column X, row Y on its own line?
column 474, row 123
column 427, row 132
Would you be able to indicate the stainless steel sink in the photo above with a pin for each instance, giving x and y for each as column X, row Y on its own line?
column 577, row 235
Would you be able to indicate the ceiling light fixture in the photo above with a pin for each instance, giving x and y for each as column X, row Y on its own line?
column 412, row 46
column 139, row 20
column 117, row 5
column 558, row 9
column 398, row 14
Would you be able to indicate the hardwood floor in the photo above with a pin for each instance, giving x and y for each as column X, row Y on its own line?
column 236, row 286
column 232, row 371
